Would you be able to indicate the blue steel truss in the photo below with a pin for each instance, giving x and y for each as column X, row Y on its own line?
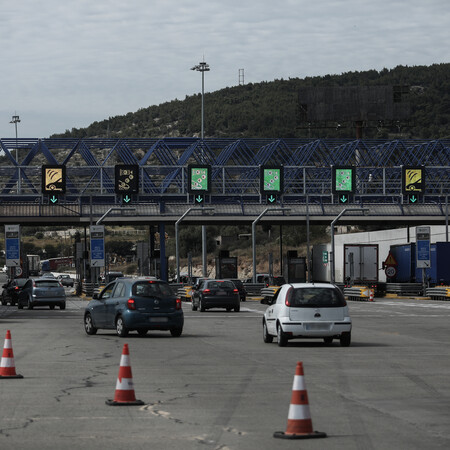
column 235, row 162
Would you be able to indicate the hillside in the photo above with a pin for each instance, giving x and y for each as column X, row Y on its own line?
column 272, row 109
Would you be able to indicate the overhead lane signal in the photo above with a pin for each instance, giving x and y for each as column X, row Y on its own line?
column 343, row 183
column 271, row 183
column 53, row 182
column 126, row 181
column 199, row 182
column 413, row 183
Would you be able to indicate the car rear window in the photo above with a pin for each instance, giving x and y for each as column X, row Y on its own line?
column 47, row 283
column 220, row 285
column 151, row 289
column 315, row 298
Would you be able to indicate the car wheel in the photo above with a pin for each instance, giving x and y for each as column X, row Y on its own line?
column 176, row 332
column 201, row 306
column 193, row 306
column 243, row 299
column 328, row 339
column 266, row 336
column 121, row 329
column 346, row 339
column 237, row 308
column 142, row 332
column 62, row 306
column 229, row 309
column 19, row 306
column 89, row 325
column 52, row 306
column 281, row 335
column 30, row 306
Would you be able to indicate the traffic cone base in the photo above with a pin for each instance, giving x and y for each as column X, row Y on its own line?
column 299, row 424
column 124, row 395
column 7, row 366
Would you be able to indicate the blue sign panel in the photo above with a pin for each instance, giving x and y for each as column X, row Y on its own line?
column 12, row 245
column 97, row 245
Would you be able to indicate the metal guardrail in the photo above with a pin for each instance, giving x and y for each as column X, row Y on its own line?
column 438, row 293
column 404, row 288
column 254, row 288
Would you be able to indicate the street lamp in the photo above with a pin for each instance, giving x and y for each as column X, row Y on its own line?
column 177, row 251
column 203, row 67
column 15, row 120
column 254, row 234
column 345, row 210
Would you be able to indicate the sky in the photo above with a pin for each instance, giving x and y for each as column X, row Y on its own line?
column 66, row 64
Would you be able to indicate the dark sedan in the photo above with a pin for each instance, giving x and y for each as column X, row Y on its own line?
column 42, row 292
column 11, row 291
column 135, row 304
column 216, row 294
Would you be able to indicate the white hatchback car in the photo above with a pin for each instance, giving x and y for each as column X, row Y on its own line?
column 308, row 310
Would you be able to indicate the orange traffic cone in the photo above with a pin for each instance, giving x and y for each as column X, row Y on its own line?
column 124, row 387
column 7, row 367
column 299, row 425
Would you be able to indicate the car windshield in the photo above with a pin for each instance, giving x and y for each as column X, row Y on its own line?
column 151, row 289
column 315, row 298
column 47, row 283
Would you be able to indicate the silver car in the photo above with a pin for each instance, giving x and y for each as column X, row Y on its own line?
column 42, row 292
column 308, row 310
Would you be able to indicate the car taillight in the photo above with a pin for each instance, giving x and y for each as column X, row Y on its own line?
column 178, row 303
column 206, row 291
column 16, row 288
column 235, row 290
column 131, row 303
column 287, row 299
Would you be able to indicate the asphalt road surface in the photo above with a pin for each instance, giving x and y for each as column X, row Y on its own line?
column 219, row 386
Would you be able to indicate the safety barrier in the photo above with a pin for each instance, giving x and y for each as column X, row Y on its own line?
column 404, row 288
column 438, row 293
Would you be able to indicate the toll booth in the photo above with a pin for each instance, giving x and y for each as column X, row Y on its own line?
column 295, row 267
column 226, row 265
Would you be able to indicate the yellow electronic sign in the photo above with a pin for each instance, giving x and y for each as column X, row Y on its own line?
column 53, row 179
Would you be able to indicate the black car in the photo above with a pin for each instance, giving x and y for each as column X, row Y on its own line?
column 135, row 304
column 240, row 287
column 11, row 291
column 216, row 294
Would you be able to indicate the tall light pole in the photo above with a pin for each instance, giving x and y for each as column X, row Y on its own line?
column 254, row 235
column 345, row 210
column 177, row 251
column 203, row 67
column 15, row 120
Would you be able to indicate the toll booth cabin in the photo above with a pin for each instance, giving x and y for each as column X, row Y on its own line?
column 295, row 267
column 226, row 265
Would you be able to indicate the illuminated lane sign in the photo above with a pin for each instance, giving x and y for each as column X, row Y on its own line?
column 126, row 177
column 199, row 179
column 97, row 234
column 12, row 245
column 53, row 180
column 271, row 180
column 271, row 183
column 343, row 183
column 413, row 182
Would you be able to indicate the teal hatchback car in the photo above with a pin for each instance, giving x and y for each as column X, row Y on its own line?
column 135, row 304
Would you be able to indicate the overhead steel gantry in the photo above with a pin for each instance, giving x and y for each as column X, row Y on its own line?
column 235, row 163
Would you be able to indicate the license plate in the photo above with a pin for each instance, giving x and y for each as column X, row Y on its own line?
column 317, row 326
column 158, row 319
column 221, row 293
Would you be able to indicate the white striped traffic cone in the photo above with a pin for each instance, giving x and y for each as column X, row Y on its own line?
column 124, row 387
column 299, row 424
column 7, row 366
column 371, row 295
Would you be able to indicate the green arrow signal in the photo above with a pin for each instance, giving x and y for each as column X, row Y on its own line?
column 271, row 199
column 199, row 199
column 343, row 199
column 413, row 199
column 126, row 199
column 54, row 199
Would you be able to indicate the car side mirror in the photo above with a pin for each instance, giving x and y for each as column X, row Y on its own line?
column 95, row 296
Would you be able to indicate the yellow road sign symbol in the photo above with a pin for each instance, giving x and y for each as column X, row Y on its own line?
column 413, row 180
